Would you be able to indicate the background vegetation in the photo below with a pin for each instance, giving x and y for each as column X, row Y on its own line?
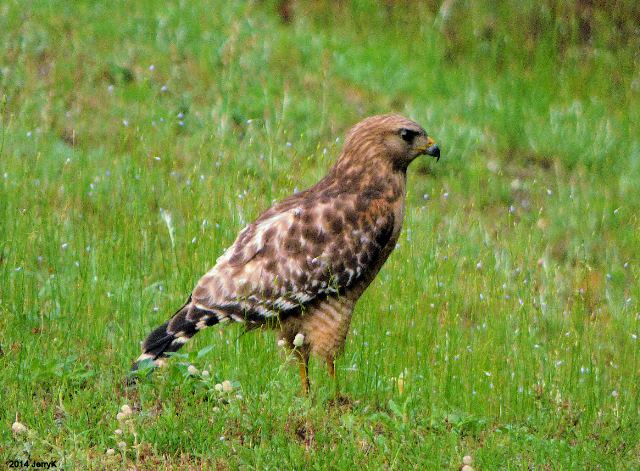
column 137, row 138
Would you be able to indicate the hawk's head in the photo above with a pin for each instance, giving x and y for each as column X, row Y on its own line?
column 391, row 137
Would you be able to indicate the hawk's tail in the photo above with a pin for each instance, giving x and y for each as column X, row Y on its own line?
column 174, row 333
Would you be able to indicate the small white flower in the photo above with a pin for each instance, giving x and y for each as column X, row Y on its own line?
column 298, row 340
column 479, row 265
column 218, row 387
column 205, row 374
column 18, row 428
column 227, row 386
column 614, row 393
column 120, row 416
column 216, row 409
column 282, row 343
column 192, row 370
column 126, row 410
column 118, row 431
column 164, row 88
column 467, row 460
column 152, row 67
column 111, row 451
column 122, row 445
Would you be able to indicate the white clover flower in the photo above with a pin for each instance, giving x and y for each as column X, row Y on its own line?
column 111, row 451
column 218, row 387
column 120, row 416
column 192, row 370
column 118, row 431
column 18, row 428
column 227, row 386
column 205, row 374
column 282, row 343
column 126, row 410
column 216, row 409
column 468, row 460
column 298, row 340
column 122, row 445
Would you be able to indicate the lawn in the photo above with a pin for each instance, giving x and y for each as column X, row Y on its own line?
column 137, row 139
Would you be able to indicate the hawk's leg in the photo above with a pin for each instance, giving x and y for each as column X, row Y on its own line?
column 331, row 366
column 304, row 372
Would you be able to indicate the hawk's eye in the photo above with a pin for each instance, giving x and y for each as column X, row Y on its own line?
column 408, row 134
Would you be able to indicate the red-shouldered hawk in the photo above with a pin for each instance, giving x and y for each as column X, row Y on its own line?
column 302, row 265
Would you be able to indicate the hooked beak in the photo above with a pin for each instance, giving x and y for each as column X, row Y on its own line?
column 431, row 149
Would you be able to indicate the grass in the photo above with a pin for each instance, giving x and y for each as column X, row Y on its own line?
column 506, row 324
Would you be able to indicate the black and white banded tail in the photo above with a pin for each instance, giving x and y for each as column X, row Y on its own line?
column 174, row 333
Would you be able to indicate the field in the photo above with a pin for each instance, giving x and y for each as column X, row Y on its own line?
column 137, row 139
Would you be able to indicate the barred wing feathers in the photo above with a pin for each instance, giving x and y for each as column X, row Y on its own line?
column 284, row 261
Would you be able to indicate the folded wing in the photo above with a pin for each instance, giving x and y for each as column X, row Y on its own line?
column 286, row 260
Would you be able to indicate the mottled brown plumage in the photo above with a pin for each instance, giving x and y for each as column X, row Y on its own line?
column 302, row 265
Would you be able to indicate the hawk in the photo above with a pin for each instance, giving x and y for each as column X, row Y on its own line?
column 301, row 266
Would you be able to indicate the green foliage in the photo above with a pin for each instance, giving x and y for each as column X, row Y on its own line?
column 137, row 138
